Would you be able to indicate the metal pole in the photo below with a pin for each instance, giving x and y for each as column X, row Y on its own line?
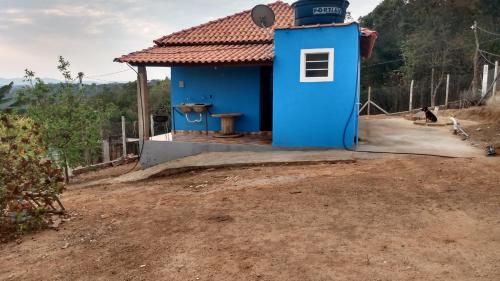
column 447, row 90
column 124, row 137
column 484, row 89
column 495, row 77
column 363, row 107
column 411, row 95
column 369, row 99
column 380, row 108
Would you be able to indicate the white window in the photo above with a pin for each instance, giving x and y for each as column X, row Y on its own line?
column 316, row 65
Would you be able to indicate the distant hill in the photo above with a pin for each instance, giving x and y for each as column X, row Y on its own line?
column 91, row 88
column 123, row 95
column 20, row 82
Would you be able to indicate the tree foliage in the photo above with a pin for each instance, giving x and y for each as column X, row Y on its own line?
column 419, row 35
column 24, row 177
column 124, row 97
column 3, row 93
column 70, row 121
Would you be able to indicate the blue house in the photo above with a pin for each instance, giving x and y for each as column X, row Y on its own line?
column 290, row 86
column 316, row 86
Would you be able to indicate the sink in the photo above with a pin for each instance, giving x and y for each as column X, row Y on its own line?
column 185, row 108
column 201, row 107
column 196, row 107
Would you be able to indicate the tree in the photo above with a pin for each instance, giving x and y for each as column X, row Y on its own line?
column 3, row 93
column 29, row 184
column 387, row 19
column 70, row 122
column 428, row 49
column 416, row 36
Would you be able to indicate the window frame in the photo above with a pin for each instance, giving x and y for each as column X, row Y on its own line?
column 303, row 65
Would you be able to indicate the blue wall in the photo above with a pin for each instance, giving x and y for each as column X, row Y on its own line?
column 316, row 114
column 229, row 89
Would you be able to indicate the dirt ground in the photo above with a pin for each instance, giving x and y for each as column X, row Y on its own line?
column 481, row 123
column 394, row 218
column 110, row 172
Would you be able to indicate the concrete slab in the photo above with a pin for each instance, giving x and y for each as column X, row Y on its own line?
column 231, row 159
column 398, row 135
column 378, row 134
column 157, row 152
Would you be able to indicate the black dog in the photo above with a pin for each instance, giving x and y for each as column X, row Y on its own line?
column 429, row 116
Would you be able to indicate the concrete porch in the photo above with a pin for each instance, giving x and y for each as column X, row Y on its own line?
column 377, row 134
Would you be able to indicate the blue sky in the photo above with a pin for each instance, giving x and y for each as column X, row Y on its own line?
column 90, row 33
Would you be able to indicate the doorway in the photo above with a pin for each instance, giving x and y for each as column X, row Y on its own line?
column 266, row 99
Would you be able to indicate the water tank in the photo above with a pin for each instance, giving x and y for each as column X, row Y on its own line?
column 308, row 12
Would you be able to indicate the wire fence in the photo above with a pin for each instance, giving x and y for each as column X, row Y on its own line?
column 396, row 98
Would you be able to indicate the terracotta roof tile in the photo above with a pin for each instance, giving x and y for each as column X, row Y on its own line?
column 201, row 54
column 233, row 39
column 368, row 38
column 235, row 29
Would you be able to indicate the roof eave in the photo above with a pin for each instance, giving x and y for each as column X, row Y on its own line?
column 200, row 64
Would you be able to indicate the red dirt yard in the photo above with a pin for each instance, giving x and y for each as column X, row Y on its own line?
column 394, row 218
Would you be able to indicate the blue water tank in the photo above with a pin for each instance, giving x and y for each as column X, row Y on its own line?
column 308, row 12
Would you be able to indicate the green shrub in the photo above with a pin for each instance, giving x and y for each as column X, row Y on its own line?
column 29, row 183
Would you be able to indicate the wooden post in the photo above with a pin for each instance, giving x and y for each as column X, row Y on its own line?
column 484, row 89
column 433, row 98
column 495, row 77
column 369, row 100
column 143, row 103
column 411, row 95
column 106, row 152
column 124, row 138
column 447, row 90
column 152, row 125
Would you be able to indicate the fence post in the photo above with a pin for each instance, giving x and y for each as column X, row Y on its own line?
column 411, row 95
column 369, row 99
column 433, row 98
column 124, row 138
column 447, row 90
column 152, row 122
column 484, row 89
column 495, row 77
column 106, row 152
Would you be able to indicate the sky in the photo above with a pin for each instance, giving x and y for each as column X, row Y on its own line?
column 91, row 33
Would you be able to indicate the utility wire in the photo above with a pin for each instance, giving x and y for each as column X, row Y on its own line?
column 101, row 80
column 107, row 74
column 424, row 55
column 491, row 54
column 485, row 58
column 489, row 32
column 454, row 49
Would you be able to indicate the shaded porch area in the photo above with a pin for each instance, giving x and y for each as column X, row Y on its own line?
column 164, row 148
column 167, row 147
